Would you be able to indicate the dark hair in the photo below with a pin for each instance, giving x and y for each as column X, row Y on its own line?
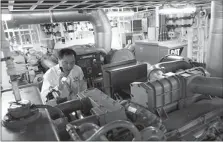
column 66, row 51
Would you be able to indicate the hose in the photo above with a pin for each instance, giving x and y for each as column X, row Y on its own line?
column 116, row 124
column 172, row 66
column 48, row 107
column 88, row 126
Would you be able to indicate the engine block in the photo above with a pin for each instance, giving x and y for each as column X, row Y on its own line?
column 182, row 102
column 104, row 107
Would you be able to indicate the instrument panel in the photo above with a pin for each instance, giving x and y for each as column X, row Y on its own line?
column 91, row 64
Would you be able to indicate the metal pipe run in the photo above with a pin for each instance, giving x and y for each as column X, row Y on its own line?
column 69, row 107
column 98, row 18
column 171, row 66
column 207, row 85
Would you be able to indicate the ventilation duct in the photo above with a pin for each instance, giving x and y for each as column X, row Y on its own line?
column 215, row 52
column 98, row 19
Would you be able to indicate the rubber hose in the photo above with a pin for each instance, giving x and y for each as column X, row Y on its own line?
column 61, row 114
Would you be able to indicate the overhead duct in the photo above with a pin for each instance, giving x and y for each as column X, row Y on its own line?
column 214, row 51
column 98, row 19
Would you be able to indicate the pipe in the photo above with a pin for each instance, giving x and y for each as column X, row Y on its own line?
column 102, row 28
column 214, row 51
column 116, row 124
column 168, row 58
column 172, row 66
column 89, row 119
column 48, row 107
column 206, row 85
column 69, row 106
column 98, row 18
column 10, row 65
column 88, row 126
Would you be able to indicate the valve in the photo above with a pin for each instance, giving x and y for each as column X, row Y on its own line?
column 20, row 114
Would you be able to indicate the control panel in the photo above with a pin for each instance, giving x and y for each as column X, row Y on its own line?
column 91, row 64
column 90, row 59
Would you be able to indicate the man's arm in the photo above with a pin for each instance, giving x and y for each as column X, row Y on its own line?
column 83, row 84
column 45, row 87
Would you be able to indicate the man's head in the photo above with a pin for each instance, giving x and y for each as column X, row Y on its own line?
column 67, row 59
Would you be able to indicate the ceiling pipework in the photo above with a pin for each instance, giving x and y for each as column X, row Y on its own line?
column 98, row 19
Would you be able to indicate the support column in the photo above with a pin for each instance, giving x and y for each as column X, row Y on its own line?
column 214, row 51
column 157, row 23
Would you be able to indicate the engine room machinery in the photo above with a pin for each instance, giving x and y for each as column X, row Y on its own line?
column 178, row 105
column 171, row 108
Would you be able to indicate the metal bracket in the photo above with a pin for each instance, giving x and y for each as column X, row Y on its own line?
column 162, row 113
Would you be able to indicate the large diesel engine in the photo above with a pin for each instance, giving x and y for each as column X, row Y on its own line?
column 188, row 102
column 186, row 105
column 181, row 106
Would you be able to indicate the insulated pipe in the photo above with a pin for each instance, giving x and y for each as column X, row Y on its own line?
column 172, row 66
column 171, row 58
column 207, row 85
column 69, row 107
column 214, row 51
column 102, row 28
column 48, row 107
column 98, row 18
column 116, row 124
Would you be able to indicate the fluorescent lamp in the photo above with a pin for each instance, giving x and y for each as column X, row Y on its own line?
column 6, row 17
column 120, row 14
column 173, row 10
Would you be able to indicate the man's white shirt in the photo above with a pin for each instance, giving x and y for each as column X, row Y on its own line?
column 74, row 81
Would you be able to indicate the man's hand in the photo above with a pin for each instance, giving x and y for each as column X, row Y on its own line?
column 62, row 79
column 64, row 83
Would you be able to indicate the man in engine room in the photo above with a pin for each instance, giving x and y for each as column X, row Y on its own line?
column 66, row 78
